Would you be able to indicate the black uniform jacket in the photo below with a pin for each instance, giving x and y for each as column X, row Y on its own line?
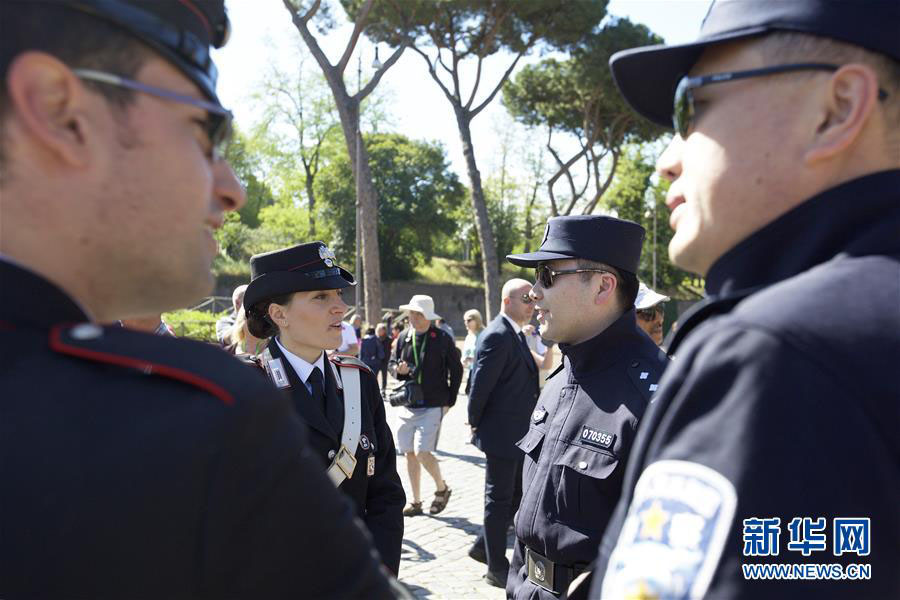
column 379, row 497
column 503, row 390
column 441, row 369
column 141, row 466
column 783, row 402
column 577, row 446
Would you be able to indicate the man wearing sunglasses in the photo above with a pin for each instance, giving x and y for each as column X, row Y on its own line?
column 135, row 465
column 582, row 427
column 649, row 306
column 773, row 437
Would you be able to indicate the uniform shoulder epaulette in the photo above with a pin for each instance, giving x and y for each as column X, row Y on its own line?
column 345, row 360
column 644, row 376
column 201, row 365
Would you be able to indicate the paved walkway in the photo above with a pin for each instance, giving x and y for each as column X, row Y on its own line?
column 434, row 561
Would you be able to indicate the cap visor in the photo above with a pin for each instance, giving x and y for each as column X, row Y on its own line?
column 647, row 76
column 531, row 259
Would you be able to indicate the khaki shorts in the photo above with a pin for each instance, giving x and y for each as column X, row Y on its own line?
column 419, row 429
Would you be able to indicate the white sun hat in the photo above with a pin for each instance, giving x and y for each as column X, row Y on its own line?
column 423, row 304
column 647, row 298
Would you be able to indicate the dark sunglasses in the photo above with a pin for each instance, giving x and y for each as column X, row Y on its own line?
column 650, row 314
column 218, row 119
column 527, row 299
column 683, row 112
column 545, row 275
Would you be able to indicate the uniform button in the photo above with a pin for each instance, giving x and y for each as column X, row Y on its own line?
column 635, row 365
column 87, row 331
column 331, row 454
column 582, row 465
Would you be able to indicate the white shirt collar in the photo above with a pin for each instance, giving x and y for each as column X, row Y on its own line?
column 302, row 368
column 515, row 325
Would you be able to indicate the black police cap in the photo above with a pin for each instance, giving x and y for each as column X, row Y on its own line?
column 182, row 31
column 615, row 242
column 300, row 268
column 648, row 76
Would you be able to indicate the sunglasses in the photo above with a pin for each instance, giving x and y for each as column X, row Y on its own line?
column 218, row 119
column 683, row 113
column 545, row 275
column 650, row 314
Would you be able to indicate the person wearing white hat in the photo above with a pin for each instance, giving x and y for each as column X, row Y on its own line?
column 425, row 358
column 649, row 308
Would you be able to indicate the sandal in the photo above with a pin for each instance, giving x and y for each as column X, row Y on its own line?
column 413, row 510
column 440, row 501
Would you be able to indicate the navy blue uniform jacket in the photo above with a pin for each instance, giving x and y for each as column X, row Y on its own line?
column 379, row 497
column 577, row 447
column 783, row 401
column 143, row 466
column 503, row 390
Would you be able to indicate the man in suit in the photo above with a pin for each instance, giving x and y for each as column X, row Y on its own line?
column 501, row 398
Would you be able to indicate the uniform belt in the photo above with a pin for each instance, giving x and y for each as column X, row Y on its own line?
column 344, row 462
column 553, row 577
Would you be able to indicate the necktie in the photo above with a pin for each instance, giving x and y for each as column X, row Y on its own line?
column 317, row 383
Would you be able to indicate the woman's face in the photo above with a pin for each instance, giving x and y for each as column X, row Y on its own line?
column 471, row 324
column 311, row 321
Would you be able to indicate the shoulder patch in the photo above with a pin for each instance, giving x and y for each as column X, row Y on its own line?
column 201, row 365
column 674, row 533
column 345, row 360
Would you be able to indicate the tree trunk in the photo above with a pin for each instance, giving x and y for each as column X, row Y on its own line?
column 489, row 262
column 348, row 110
column 311, row 197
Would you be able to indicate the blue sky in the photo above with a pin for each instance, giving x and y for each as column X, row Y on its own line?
column 263, row 35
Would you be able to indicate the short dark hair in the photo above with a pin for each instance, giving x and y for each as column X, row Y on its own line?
column 626, row 282
column 75, row 38
column 259, row 322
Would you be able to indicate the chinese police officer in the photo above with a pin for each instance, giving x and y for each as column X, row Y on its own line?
column 583, row 425
column 773, row 438
column 134, row 465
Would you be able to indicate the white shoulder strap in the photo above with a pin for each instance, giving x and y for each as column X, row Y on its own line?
column 344, row 462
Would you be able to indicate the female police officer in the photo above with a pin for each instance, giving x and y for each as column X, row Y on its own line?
column 294, row 298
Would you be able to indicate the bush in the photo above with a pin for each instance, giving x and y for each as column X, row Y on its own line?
column 194, row 324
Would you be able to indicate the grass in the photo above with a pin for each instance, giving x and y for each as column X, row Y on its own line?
column 455, row 272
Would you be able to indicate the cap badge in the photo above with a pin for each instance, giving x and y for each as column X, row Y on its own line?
column 327, row 256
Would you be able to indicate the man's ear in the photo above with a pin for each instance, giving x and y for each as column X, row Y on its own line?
column 606, row 288
column 847, row 103
column 51, row 106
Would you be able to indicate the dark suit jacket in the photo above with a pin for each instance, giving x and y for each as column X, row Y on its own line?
column 378, row 498
column 503, row 391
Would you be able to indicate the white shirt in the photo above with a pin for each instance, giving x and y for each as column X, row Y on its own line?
column 302, row 368
column 515, row 325
column 348, row 336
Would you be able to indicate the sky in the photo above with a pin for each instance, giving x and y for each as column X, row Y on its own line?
column 263, row 35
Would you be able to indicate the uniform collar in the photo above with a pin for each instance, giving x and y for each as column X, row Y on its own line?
column 513, row 324
column 302, row 368
column 27, row 299
column 857, row 218
column 605, row 348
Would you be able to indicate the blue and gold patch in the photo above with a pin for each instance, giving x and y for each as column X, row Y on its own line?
column 674, row 533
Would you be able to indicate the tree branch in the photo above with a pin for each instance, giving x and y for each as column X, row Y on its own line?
column 499, row 85
column 433, row 73
column 477, row 81
column 361, row 18
column 367, row 89
column 612, row 170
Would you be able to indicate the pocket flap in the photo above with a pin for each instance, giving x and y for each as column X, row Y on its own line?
column 592, row 463
column 532, row 440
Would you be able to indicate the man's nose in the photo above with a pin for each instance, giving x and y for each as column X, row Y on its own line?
column 668, row 165
column 227, row 188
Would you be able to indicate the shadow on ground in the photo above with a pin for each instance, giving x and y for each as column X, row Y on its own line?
column 474, row 460
column 413, row 552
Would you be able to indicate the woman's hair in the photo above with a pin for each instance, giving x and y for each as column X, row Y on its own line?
column 235, row 333
column 473, row 314
column 258, row 321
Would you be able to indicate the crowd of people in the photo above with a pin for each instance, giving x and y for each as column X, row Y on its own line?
column 762, row 434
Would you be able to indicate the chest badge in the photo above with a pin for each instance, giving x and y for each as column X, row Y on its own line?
column 364, row 442
column 597, row 437
column 277, row 374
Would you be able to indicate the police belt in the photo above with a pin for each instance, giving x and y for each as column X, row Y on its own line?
column 344, row 462
column 544, row 573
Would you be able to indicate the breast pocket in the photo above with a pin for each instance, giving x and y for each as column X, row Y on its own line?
column 589, row 487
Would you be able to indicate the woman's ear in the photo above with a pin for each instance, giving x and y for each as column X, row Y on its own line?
column 277, row 315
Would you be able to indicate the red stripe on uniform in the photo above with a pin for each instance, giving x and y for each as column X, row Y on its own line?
column 56, row 343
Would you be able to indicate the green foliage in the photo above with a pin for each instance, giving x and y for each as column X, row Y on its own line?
column 417, row 195
column 246, row 165
column 194, row 324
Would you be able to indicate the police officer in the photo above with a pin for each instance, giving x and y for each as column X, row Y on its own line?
column 582, row 428
column 773, row 438
column 134, row 465
column 295, row 298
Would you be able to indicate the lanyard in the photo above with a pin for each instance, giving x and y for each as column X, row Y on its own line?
column 417, row 355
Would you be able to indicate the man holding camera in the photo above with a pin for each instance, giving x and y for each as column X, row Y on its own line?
column 427, row 361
